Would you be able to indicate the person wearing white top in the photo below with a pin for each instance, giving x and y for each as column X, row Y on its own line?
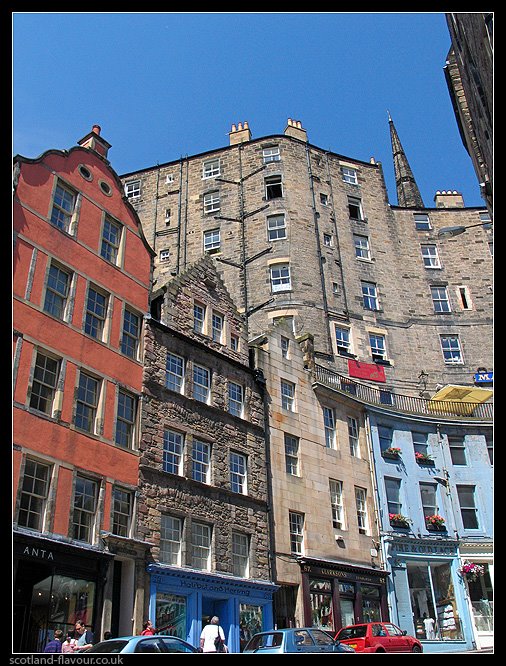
column 209, row 633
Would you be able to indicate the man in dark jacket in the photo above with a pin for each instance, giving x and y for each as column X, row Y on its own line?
column 55, row 644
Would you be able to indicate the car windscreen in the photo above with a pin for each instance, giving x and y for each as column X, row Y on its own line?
column 352, row 632
column 265, row 641
column 111, row 647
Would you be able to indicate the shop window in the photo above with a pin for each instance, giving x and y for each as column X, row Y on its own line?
column 171, row 615
column 481, row 595
column 320, row 594
column 432, row 597
column 250, row 622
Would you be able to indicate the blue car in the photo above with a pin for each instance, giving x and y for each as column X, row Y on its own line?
column 296, row 641
column 142, row 645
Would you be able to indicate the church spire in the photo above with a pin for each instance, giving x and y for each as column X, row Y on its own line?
column 408, row 194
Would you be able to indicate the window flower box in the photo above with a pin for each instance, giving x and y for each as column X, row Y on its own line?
column 392, row 452
column 435, row 523
column 424, row 459
column 398, row 520
column 471, row 571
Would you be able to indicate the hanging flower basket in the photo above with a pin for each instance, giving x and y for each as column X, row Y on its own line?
column 435, row 523
column 423, row 458
column 391, row 452
column 398, row 520
column 471, row 571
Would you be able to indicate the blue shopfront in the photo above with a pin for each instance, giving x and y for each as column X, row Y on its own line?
column 428, row 596
column 182, row 601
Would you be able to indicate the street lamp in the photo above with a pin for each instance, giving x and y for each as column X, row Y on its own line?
column 457, row 230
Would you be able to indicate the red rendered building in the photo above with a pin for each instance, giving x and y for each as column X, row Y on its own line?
column 82, row 273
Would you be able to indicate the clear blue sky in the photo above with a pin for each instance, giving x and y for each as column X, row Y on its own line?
column 163, row 85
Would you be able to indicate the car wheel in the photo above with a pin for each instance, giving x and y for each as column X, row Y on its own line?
column 416, row 648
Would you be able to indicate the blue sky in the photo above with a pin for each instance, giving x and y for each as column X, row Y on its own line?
column 163, row 85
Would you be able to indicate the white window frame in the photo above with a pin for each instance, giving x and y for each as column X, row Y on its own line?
column 173, row 452
column 235, row 399
column 393, row 495
column 164, row 255
column 47, row 380
column 171, row 540
column 328, row 240
column 271, row 154
column 211, row 168
column 296, row 529
column 343, row 340
column 133, row 189
column 291, row 454
column 362, row 247
column 276, row 227
column 201, row 389
column 110, row 248
column 361, row 505
column 34, row 494
column 212, row 202
column 199, row 318
column 174, row 372
column 329, row 423
column 129, row 421
column 451, row 349
column 217, row 326
column 353, row 436
column 280, row 277
column 422, row 222
column 238, row 473
column 240, row 554
column 370, row 296
column 430, row 256
column 287, row 395
column 201, row 535
column 378, row 345
column 201, row 461
column 59, row 296
column 349, row 175
column 63, row 211
column 87, row 513
column 270, row 182
column 355, row 202
column 336, row 503
column 440, row 299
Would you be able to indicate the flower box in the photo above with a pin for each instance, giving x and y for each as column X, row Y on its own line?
column 435, row 523
column 398, row 520
column 424, row 459
column 392, row 453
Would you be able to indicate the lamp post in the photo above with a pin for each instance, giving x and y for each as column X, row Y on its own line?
column 457, row 230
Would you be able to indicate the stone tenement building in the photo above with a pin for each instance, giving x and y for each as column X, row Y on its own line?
column 203, row 494
column 309, row 235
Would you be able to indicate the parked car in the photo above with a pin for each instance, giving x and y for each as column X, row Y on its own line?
column 378, row 637
column 142, row 645
column 296, row 640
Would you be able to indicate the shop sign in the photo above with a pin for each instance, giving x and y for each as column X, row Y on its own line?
column 423, row 549
column 39, row 553
column 344, row 575
column 484, row 377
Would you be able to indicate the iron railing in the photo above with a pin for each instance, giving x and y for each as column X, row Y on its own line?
column 482, row 411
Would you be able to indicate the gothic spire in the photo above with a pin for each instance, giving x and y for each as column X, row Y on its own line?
column 408, row 194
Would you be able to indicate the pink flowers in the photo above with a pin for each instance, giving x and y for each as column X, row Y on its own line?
column 435, row 520
column 471, row 570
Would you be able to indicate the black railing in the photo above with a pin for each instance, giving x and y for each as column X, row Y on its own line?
column 403, row 403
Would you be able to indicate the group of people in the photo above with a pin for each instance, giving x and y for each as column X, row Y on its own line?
column 81, row 639
column 212, row 638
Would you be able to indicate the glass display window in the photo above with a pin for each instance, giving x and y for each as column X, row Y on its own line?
column 250, row 622
column 433, row 602
column 171, row 615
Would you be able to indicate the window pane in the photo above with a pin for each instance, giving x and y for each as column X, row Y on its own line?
column 170, row 540
column 125, row 420
column 131, row 334
column 122, row 512
column 85, row 499
column 87, row 401
column 45, row 378
column 34, row 493
column 201, row 454
column 58, row 283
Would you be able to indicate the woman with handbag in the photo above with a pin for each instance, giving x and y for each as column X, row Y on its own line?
column 212, row 638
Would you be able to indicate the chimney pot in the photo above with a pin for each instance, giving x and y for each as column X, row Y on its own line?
column 234, row 128
column 96, row 129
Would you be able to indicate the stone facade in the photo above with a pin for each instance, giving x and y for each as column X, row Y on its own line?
column 167, row 491
column 305, row 476
column 328, row 232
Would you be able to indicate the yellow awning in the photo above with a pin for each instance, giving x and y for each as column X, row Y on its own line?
column 459, row 400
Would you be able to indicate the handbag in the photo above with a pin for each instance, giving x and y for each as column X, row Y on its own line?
column 218, row 643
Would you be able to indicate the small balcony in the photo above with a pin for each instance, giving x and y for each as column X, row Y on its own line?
column 476, row 411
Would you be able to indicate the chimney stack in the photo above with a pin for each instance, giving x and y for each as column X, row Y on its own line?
column 94, row 141
column 239, row 133
column 449, row 199
column 294, row 128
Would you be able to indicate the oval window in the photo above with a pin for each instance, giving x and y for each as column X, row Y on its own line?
column 106, row 188
column 85, row 172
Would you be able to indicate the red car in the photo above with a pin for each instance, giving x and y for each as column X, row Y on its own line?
column 378, row 637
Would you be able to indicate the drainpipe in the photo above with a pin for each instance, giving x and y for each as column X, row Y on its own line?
column 179, row 203
column 318, row 248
